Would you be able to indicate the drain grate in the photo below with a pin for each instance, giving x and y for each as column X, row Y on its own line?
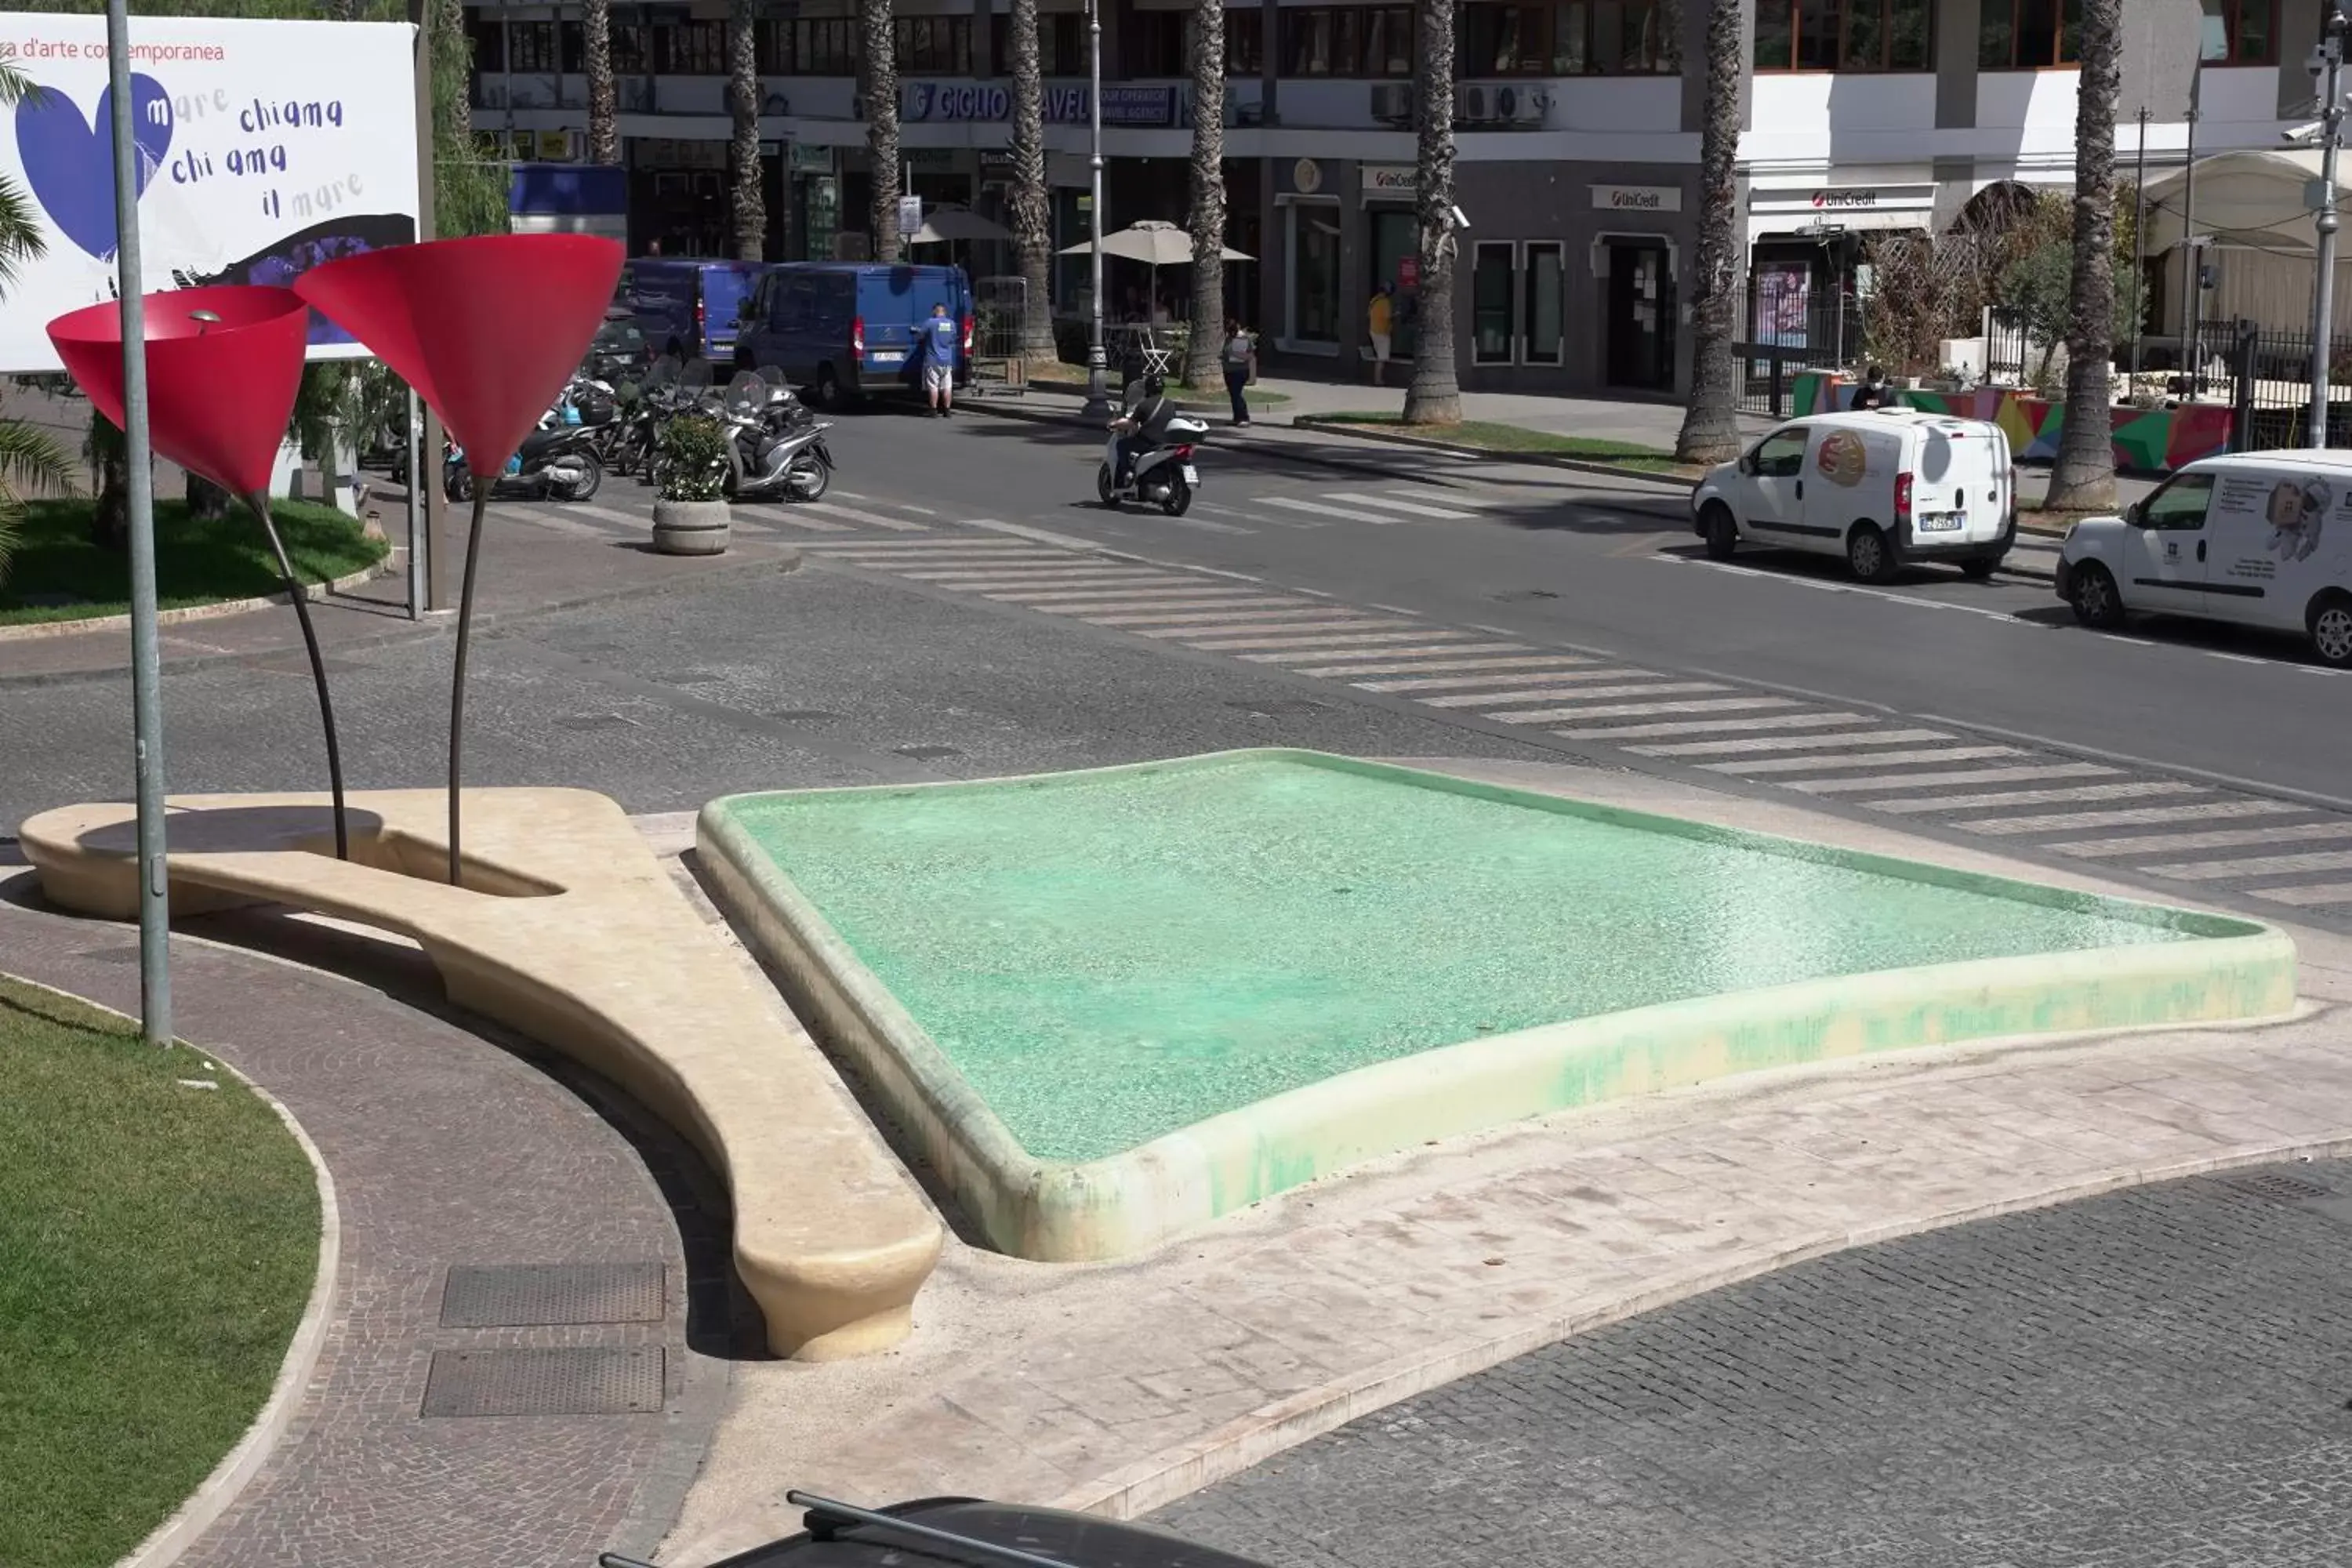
column 574, row 1380
column 528, row 1295
column 2276, row 1188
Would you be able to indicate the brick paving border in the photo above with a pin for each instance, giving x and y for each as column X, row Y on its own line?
column 446, row 1148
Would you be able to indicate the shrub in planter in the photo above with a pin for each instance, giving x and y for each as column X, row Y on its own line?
column 691, row 514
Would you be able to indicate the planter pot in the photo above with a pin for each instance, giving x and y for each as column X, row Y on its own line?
column 691, row 527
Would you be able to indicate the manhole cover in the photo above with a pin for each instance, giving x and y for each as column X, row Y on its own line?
column 572, row 1381
column 524, row 1295
column 2275, row 1188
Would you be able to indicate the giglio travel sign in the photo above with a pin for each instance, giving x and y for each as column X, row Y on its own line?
column 263, row 149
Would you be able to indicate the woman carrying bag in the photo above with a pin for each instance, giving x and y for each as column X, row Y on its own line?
column 1241, row 366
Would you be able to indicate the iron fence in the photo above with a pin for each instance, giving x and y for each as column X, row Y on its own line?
column 1785, row 338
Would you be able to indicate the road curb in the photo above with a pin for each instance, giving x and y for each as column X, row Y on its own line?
column 1271, row 1429
column 34, row 631
column 170, row 1540
column 1541, row 459
column 437, row 623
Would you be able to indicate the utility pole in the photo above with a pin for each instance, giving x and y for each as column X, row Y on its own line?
column 2191, row 274
column 146, row 667
column 2326, row 71
column 1098, row 397
column 2139, row 243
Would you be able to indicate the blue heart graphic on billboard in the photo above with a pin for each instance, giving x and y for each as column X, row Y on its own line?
column 69, row 159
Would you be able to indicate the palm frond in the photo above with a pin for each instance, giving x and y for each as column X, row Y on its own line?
column 30, row 458
column 22, row 237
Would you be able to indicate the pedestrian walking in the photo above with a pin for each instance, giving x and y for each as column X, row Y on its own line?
column 939, row 362
column 1380, row 322
column 1241, row 366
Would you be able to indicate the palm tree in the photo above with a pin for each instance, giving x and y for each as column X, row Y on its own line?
column 29, row 458
column 1710, row 432
column 1032, row 236
column 879, row 42
column 2084, row 476
column 1434, row 394
column 604, row 94
column 743, row 93
column 1205, row 339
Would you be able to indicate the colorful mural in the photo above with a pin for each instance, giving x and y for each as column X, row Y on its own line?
column 2146, row 440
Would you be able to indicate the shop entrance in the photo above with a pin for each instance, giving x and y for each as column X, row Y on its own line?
column 1641, row 346
column 1396, row 235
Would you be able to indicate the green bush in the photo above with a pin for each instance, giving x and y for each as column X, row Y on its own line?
column 694, row 458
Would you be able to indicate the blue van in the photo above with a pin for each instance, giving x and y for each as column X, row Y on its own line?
column 689, row 307
column 847, row 328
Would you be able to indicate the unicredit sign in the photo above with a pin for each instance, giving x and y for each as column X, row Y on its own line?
column 1835, row 199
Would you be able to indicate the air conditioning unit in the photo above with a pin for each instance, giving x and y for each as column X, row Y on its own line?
column 1392, row 102
column 1479, row 105
column 1526, row 105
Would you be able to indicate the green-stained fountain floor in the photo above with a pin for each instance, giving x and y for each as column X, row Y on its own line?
column 1109, row 957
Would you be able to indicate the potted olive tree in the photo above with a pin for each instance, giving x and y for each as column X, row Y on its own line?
column 690, row 509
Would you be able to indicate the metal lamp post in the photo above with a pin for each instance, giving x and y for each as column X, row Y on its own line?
column 146, row 673
column 2327, row 70
column 1097, row 395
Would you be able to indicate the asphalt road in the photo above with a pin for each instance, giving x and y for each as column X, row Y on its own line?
column 2154, row 1380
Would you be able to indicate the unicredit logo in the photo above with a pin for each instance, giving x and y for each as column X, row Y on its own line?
column 1845, row 198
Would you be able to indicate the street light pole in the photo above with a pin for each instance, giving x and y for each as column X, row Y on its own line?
column 146, row 672
column 1098, row 397
column 2326, row 69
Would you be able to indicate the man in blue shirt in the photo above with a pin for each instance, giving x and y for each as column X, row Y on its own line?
column 939, row 356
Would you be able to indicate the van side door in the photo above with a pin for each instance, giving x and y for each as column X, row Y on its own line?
column 1776, row 483
column 2166, row 549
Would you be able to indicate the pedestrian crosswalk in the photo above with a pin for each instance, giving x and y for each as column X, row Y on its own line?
column 2296, row 858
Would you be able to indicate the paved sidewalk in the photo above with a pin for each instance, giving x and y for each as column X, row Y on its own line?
column 445, row 1150
column 1122, row 1387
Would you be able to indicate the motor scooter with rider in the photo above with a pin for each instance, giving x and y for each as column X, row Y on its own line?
column 1149, row 455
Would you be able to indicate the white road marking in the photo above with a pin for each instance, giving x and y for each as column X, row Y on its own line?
column 1641, row 710
column 1573, row 694
column 1898, row 783
column 2179, row 811
column 1214, row 619
column 1433, row 642
column 1043, row 576
column 1863, row 759
column 917, row 546
column 2255, row 866
column 1130, row 598
column 2307, row 898
column 870, row 519
column 1715, row 726
column 1410, row 509
column 1789, row 743
column 1308, row 506
column 1214, row 639
column 1179, row 608
column 1555, row 669
column 614, row 514
column 1036, row 535
column 1404, row 660
column 2044, row 796
column 2219, row 839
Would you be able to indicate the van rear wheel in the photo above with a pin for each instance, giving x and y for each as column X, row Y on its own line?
column 1868, row 554
column 2330, row 624
column 1979, row 570
column 1721, row 531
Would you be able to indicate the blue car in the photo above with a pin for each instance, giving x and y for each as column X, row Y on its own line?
column 845, row 329
column 688, row 308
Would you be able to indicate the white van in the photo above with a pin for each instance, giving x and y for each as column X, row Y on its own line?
column 1883, row 488
column 2258, row 539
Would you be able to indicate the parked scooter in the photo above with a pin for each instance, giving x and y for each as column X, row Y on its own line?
column 777, row 450
column 1164, row 475
column 555, row 463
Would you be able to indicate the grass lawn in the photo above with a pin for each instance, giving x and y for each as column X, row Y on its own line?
column 157, row 1247
column 1213, row 397
column 1487, row 435
column 195, row 563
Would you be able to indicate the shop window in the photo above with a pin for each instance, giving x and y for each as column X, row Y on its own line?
column 692, row 48
column 933, row 45
column 1544, row 282
column 1346, row 40
column 1846, row 35
column 633, row 49
column 1061, row 43
column 1579, row 37
column 1245, row 42
column 488, row 36
column 824, row 46
column 2239, row 32
column 2028, row 34
column 1315, row 272
column 1491, row 320
column 1395, row 235
column 1152, row 42
column 531, row 48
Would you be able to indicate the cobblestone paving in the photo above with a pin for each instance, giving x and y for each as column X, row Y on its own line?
column 445, row 1150
column 2161, row 1379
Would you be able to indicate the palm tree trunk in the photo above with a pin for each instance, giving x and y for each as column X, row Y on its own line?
column 1434, row 394
column 2084, row 477
column 743, row 87
column 604, row 125
column 878, row 46
column 1710, row 432
column 1206, row 342
column 1032, row 218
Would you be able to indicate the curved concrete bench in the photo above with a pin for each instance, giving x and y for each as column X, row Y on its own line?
column 570, row 930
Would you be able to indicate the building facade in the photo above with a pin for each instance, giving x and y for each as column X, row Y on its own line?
column 1577, row 122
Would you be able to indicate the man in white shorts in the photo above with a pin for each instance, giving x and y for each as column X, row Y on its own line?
column 938, row 349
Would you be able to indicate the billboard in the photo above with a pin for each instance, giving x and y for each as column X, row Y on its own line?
column 263, row 149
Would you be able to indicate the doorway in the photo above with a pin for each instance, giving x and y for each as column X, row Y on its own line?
column 1641, row 316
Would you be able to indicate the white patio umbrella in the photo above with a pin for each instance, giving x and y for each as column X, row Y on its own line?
column 1153, row 243
column 944, row 225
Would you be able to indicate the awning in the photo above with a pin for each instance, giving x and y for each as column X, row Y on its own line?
column 2256, row 199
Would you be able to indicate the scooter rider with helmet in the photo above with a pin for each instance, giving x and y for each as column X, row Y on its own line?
column 1145, row 422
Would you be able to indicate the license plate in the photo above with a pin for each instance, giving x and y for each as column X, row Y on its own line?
column 1944, row 522
column 1191, row 475
column 884, row 356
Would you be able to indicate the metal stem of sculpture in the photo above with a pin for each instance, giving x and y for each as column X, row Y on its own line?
column 259, row 502
column 482, row 486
